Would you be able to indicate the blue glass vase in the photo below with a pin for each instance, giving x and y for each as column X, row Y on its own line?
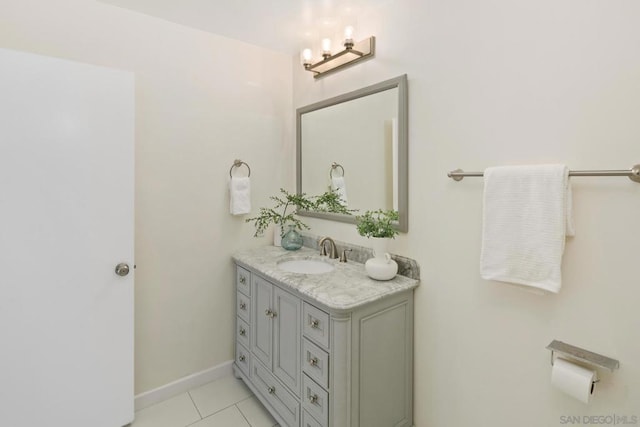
column 291, row 239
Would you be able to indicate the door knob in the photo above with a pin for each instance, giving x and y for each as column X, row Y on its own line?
column 122, row 269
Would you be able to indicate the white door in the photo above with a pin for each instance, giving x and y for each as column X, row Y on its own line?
column 66, row 220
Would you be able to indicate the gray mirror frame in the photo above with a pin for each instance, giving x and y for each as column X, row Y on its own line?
column 400, row 83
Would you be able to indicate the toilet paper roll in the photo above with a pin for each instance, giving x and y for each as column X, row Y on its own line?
column 572, row 379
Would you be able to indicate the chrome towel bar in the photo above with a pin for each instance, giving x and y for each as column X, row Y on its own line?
column 633, row 173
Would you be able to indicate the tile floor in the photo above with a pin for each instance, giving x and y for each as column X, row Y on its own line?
column 226, row 402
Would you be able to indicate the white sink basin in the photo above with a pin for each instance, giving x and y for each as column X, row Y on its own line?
column 305, row 266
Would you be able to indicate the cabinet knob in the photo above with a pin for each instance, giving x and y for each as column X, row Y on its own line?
column 270, row 313
column 243, row 306
column 243, row 332
column 313, row 398
column 314, row 323
column 313, row 361
column 242, row 358
column 271, row 390
column 243, row 280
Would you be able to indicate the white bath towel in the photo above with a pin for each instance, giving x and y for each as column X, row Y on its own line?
column 240, row 195
column 339, row 185
column 526, row 218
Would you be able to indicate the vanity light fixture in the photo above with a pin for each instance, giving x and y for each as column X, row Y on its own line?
column 352, row 53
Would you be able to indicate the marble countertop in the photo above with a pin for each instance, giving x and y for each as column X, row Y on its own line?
column 344, row 288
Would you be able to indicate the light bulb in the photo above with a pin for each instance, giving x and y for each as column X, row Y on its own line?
column 348, row 37
column 348, row 32
column 326, row 48
column 306, row 57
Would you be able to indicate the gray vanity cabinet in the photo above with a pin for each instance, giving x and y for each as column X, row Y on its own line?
column 276, row 338
column 316, row 366
column 262, row 339
column 275, row 345
column 286, row 339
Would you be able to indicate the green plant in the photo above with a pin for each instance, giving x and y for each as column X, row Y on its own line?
column 379, row 223
column 330, row 201
column 280, row 214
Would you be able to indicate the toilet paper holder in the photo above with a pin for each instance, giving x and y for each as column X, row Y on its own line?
column 582, row 355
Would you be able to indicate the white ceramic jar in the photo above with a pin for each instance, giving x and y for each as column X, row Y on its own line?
column 381, row 268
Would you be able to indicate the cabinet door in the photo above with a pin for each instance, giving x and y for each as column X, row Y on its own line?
column 262, row 326
column 287, row 346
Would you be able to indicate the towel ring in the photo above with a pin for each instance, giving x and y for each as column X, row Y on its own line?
column 335, row 166
column 236, row 164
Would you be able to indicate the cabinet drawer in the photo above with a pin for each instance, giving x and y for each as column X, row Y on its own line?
column 243, row 359
column 309, row 421
column 243, row 280
column 315, row 363
column 243, row 332
column 315, row 324
column 243, row 307
column 315, row 400
column 285, row 404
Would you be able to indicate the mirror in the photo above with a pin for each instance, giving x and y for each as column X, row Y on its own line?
column 359, row 140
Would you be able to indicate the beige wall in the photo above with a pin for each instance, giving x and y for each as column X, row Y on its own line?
column 201, row 102
column 503, row 82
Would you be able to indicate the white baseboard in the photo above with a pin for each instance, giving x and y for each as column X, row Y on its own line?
column 181, row 385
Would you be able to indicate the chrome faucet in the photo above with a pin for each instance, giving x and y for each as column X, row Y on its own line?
column 333, row 253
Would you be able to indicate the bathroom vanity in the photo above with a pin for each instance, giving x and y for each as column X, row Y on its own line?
column 328, row 349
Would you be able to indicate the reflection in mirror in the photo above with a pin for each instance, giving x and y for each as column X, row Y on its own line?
column 356, row 144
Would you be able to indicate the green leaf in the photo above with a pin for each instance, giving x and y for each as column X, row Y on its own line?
column 281, row 214
column 378, row 223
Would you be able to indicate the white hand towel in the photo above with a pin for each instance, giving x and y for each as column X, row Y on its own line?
column 526, row 218
column 240, row 195
column 339, row 185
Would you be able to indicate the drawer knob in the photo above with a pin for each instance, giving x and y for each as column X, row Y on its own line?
column 313, row 361
column 270, row 313
column 243, row 280
column 315, row 323
column 243, row 306
column 243, row 332
column 313, row 398
column 242, row 358
column 271, row 390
